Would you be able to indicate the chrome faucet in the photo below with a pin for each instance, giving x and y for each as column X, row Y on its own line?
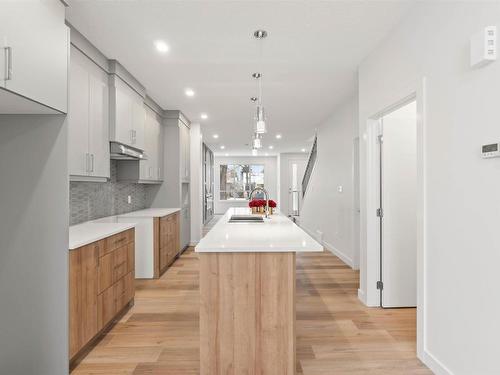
column 258, row 188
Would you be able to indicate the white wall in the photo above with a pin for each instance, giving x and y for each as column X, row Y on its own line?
column 462, row 200
column 34, row 216
column 270, row 178
column 324, row 208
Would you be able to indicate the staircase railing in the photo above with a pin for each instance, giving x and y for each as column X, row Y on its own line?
column 310, row 165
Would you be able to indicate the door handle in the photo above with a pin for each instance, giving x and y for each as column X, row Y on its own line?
column 8, row 63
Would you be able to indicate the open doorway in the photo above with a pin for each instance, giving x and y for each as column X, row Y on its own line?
column 397, row 146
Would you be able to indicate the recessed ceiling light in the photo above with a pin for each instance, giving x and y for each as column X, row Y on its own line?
column 267, row 154
column 215, row 136
column 189, row 92
column 271, row 147
column 204, row 116
column 226, row 154
column 161, row 46
column 260, row 34
column 222, row 147
column 303, row 150
column 278, row 136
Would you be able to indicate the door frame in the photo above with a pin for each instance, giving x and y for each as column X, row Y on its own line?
column 290, row 160
column 414, row 91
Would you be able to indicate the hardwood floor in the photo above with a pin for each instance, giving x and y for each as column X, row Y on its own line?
column 336, row 334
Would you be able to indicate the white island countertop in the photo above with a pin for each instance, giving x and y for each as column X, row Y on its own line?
column 151, row 212
column 85, row 233
column 276, row 234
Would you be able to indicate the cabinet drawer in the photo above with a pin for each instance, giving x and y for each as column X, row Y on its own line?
column 120, row 267
column 117, row 240
column 124, row 291
column 105, row 307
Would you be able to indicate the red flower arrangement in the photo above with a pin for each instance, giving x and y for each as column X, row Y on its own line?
column 255, row 203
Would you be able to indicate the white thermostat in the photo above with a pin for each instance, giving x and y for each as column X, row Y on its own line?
column 491, row 150
column 483, row 47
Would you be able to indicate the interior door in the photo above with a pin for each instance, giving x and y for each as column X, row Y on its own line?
column 399, row 213
column 296, row 169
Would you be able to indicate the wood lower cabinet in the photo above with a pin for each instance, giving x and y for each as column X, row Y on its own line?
column 101, row 285
column 167, row 238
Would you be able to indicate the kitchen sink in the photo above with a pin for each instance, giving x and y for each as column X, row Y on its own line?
column 246, row 219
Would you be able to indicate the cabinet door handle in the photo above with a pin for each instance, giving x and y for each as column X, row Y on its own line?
column 92, row 162
column 8, row 63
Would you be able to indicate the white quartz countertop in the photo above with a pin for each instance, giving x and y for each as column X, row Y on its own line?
column 85, row 233
column 277, row 234
column 151, row 212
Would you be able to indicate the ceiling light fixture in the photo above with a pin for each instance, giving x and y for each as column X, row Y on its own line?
column 161, row 46
column 278, row 136
column 303, row 150
column 257, row 142
column 215, row 136
column 204, row 116
column 189, row 92
column 253, row 99
column 226, row 154
column 222, row 147
column 271, row 147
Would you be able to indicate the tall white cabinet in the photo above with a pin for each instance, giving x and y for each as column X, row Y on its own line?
column 34, row 44
column 88, row 119
column 175, row 190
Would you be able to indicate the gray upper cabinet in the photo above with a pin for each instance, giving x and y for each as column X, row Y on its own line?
column 88, row 120
column 34, row 51
column 150, row 169
column 127, row 114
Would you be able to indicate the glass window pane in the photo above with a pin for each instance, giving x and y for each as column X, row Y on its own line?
column 238, row 180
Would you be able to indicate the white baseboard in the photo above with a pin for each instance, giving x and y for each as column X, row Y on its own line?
column 435, row 365
column 361, row 296
column 346, row 259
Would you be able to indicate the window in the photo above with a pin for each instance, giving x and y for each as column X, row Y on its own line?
column 238, row 180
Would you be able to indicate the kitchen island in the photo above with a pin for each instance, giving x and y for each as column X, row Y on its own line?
column 247, row 295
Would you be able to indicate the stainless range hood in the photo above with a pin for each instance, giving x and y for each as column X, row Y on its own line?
column 119, row 151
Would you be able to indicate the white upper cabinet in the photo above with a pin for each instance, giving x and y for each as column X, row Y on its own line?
column 88, row 120
column 34, row 47
column 127, row 114
column 150, row 168
column 184, row 138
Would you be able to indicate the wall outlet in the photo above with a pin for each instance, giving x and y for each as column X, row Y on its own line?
column 129, row 199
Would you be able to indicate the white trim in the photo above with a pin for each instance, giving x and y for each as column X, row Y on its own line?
column 328, row 246
column 346, row 259
column 362, row 296
column 397, row 97
column 435, row 365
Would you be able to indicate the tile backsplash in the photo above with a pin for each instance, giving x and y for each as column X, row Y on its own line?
column 93, row 200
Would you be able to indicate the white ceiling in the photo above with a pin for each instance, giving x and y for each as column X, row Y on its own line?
column 309, row 60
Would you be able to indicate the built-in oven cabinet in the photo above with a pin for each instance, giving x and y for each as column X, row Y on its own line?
column 88, row 119
column 34, row 47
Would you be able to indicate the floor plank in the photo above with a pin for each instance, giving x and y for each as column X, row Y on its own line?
column 336, row 334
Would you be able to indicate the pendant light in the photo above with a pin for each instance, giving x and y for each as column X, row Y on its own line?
column 257, row 142
column 260, row 121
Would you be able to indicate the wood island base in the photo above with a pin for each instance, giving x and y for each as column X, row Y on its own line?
column 247, row 313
